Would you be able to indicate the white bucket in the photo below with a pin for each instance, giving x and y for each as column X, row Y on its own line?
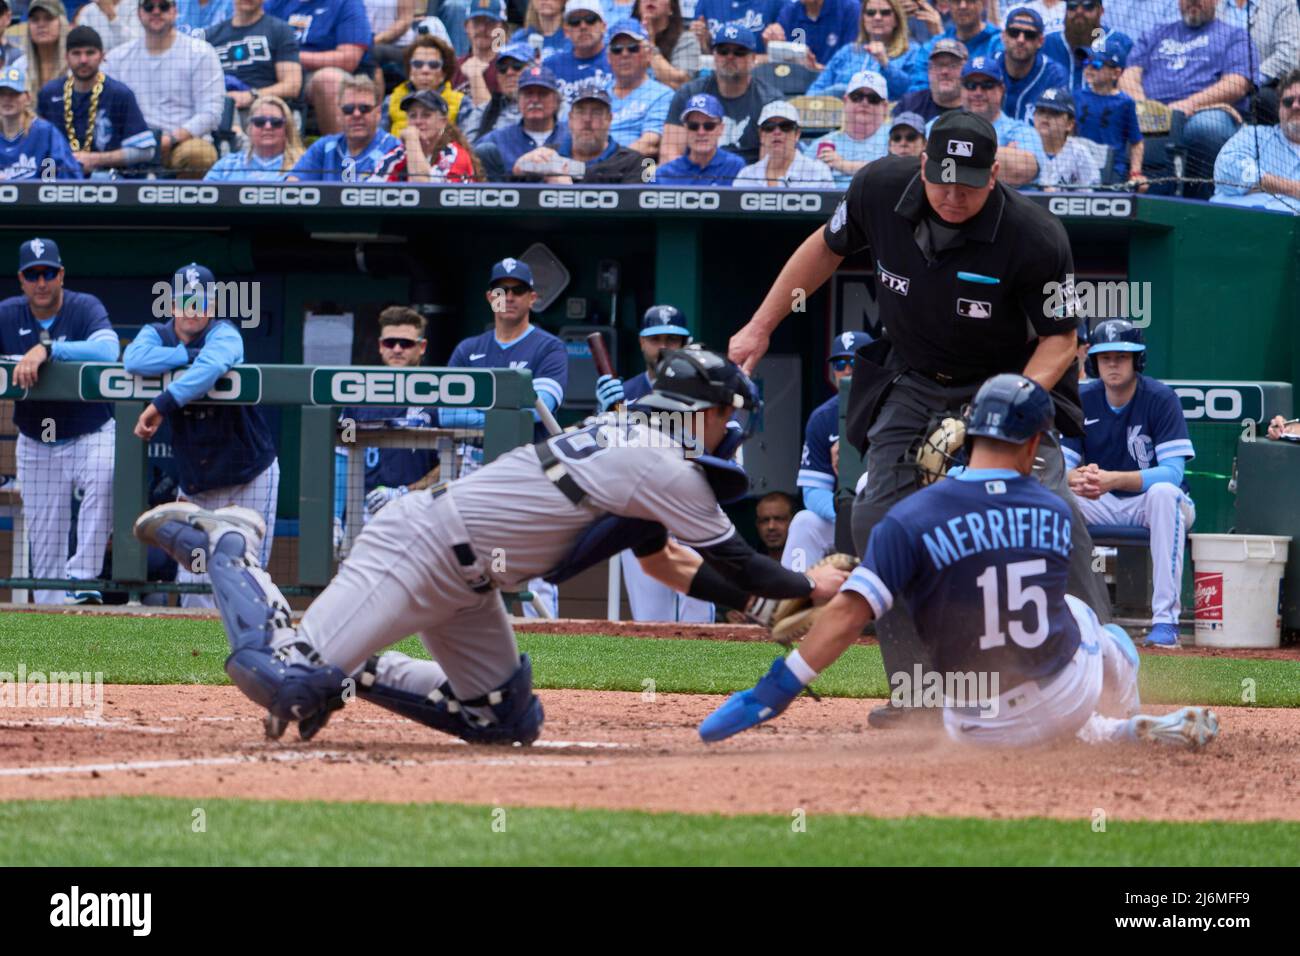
column 1238, row 589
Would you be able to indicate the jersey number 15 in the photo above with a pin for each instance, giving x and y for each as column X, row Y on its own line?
column 1018, row 597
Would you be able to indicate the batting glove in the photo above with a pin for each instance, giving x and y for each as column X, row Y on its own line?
column 609, row 392
column 382, row 496
column 460, row 417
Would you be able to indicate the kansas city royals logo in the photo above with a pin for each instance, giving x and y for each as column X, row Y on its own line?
column 191, row 277
column 38, row 248
column 846, row 340
column 1140, row 447
column 510, row 264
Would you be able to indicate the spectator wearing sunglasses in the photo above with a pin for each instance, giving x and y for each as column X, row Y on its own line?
column 432, row 149
column 584, row 25
column 273, row 146
column 485, row 24
column 733, row 84
column 428, row 67
column 502, row 108
column 812, row 532
column 1084, row 33
column 640, row 103
column 863, row 136
column 591, row 155
column 824, row 26
column 883, row 45
column 942, row 92
column 702, row 163
column 177, row 81
column 1105, row 115
column 1051, row 12
column 258, row 54
column 980, row 37
column 1260, row 165
column 907, row 135
column 782, row 165
column 1028, row 73
column 1020, row 151
column 333, row 42
column 1069, row 161
column 354, row 154
column 544, row 18
column 539, row 125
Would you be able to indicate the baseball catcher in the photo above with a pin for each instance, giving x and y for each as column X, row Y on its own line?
column 982, row 559
column 434, row 563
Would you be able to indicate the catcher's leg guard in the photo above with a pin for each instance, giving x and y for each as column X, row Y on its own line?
column 290, row 691
column 510, row 714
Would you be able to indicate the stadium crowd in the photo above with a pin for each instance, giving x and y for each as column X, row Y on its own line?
column 1162, row 95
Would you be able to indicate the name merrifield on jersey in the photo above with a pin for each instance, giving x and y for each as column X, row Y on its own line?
column 997, row 530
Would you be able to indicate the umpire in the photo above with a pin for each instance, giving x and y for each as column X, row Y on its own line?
column 968, row 273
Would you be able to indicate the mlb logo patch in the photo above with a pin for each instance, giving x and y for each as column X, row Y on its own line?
column 974, row 309
column 995, row 487
column 960, row 147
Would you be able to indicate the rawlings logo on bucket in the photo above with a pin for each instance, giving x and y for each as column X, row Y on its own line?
column 1209, row 596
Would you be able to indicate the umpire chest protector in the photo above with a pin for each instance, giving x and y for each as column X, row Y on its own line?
column 216, row 446
column 959, row 303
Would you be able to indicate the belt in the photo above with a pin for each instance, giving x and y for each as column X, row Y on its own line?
column 471, row 569
column 554, row 469
column 948, row 381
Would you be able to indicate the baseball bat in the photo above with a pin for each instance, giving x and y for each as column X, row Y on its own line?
column 600, row 356
column 548, row 420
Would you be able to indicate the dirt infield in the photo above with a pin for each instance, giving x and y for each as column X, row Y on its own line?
column 620, row 750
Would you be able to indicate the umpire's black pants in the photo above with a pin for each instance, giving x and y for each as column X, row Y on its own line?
column 904, row 415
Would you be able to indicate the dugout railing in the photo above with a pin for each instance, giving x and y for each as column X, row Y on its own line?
column 505, row 396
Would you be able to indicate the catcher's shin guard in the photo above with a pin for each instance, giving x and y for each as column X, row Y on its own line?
column 252, row 608
column 507, row 715
column 290, row 691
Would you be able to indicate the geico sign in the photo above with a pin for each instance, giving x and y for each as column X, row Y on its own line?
column 379, row 196
column 578, row 199
column 1219, row 404
column 494, row 198
column 82, row 193
column 202, row 195
column 8, row 193
column 399, row 388
column 678, row 199
column 116, row 383
column 780, row 202
column 279, row 196
column 1089, row 206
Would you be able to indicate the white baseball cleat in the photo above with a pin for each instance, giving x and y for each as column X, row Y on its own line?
column 244, row 521
column 1192, row 727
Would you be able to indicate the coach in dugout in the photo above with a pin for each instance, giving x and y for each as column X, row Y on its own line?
column 224, row 453
column 964, row 269
column 62, row 446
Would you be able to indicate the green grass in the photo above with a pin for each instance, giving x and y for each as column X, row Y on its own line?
column 151, row 831
column 171, row 651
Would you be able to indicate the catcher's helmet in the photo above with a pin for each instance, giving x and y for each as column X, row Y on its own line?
column 1010, row 408
column 693, row 379
column 1116, row 335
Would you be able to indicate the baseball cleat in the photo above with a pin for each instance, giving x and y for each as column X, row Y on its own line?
column 274, row 726
column 1192, row 727
column 147, row 525
column 1163, row 635
column 216, row 524
column 82, row 597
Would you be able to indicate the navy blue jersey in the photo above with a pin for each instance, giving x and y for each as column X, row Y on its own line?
column 1146, row 431
column 118, row 120
column 638, row 387
column 395, row 466
column 537, row 350
column 982, row 561
column 1111, row 120
column 80, row 317
column 822, row 431
column 215, row 446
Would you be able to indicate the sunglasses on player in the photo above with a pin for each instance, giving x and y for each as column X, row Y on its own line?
column 857, row 96
column 1021, row 33
column 841, row 364
column 582, row 19
column 909, row 137
column 984, row 85
column 426, row 64
column 393, row 342
column 512, row 288
column 632, row 48
column 37, row 273
column 274, row 122
column 785, row 126
column 708, row 127
column 159, row 6
column 347, row 109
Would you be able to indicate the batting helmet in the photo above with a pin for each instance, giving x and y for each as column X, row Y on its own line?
column 1116, row 335
column 1010, row 408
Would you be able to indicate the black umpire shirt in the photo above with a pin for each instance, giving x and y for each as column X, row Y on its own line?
column 959, row 303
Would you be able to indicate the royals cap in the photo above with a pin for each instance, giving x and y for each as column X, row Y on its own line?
column 515, row 269
column 39, row 252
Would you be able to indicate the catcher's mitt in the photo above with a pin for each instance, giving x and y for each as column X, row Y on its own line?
column 794, row 617
column 938, row 450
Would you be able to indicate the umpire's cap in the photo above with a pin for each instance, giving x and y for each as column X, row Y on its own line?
column 961, row 148
column 1010, row 408
column 693, row 379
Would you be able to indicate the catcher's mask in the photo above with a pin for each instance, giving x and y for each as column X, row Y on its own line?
column 693, row 379
column 940, row 447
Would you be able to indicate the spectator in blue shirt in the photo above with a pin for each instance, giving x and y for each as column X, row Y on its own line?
column 1105, row 115
column 754, row 15
column 822, row 25
column 539, row 107
column 1020, row 151
column 640, row 104
column 863, row 136
column 352, row 155
column 545, row 18
column 273, row 146
column 942, row 92
column 584, row 25
column 196, row 17
column 1260, row 165
column 703, row 164
column 333, row 37
column 1028, row 73
column 1083, row 33
column 883, row 45
column 980, row 37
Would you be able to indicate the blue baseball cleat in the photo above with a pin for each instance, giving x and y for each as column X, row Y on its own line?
column 1191, row 727
column 1163, row 635
column 748, row 708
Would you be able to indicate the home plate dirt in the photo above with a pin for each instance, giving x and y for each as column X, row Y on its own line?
column 620, row 750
